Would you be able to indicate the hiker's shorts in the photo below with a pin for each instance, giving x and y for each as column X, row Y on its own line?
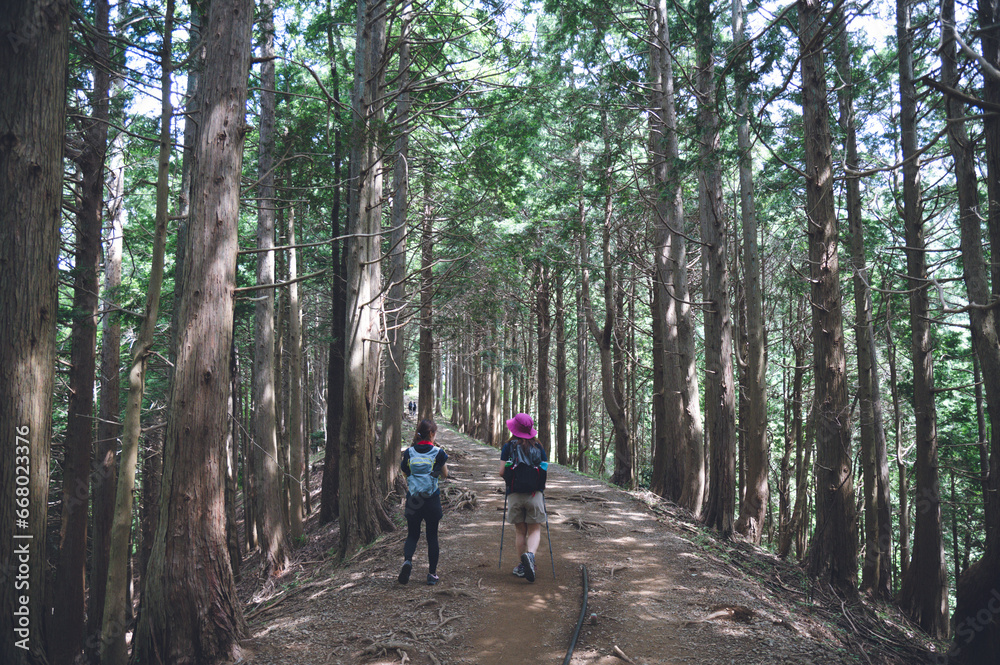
column 529, row 508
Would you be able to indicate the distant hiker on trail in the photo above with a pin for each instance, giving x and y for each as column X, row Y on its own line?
column 423, row 463
column 524, row 471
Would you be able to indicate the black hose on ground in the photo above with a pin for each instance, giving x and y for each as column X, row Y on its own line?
column 583, row 613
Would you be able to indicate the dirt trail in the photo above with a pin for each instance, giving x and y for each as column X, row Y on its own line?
column 656, row 596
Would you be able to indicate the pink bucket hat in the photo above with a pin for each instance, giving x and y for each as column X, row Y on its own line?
column 522, row 426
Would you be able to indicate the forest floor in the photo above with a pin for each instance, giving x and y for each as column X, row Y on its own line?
column 663, row 590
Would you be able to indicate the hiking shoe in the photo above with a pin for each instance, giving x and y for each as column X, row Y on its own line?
column 519, row 570
column 404, row 572
column 528, row 561
column 432, row 579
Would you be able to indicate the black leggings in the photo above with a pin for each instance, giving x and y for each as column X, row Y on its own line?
column 419, row 510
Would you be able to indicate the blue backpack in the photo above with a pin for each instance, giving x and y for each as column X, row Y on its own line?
column 421, row 482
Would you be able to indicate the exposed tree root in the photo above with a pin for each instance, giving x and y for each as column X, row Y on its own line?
column 621, row 654
column 460, row 498
column 584, row 525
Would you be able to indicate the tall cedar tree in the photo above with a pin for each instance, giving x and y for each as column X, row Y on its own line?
column 296, row 434
column 190, row 611
column 116, row 611
column 105, row 475
column 833, row 551
column 720, row 388
column 269, row 508
column 425, row 361
column 976, row 641
column 543, row 290
column 876, row 567
column 582, row 348
column 692, row 437
column 361, row 515
column 923, row 593
column 755, row 500
column 68, row 597
column 668, row 401
column 395, row 367
column 33, row 57
column 329, row 505
column 582, row 382
column 562, row 391
column 608, row 342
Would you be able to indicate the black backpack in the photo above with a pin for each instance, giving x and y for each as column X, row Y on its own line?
column 526, row 476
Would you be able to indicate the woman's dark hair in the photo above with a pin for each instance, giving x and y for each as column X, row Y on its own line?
column 526, row 445
column 424, row 431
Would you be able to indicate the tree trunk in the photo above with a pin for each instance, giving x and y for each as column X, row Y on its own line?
column 296, row 433
column 660, row 445
column 833, row 551
column 741, row 346
column 629, row 367
column 310, row 422
column 785, row 466
column 116, row 609
column 281, row 377
column 232, row 461
column 105, row 473
column 453, row 380
column 152, row 484
column 33, row 58
column 755, row 499
column 190, row 609
column 249, row 486
column 191, row 118
column 605, row 337
column 497, row 418
column 528, row 393
column 795, row 437
column 471, row 389
column 923, row 595
column 691, row 442
column 720, row 390
column 989, row 11
column 543, row 423
column 462, row 383
column 562, row 392
column 975, row 641
column 901, row 467
column 693, row 491
column 425, row 362
column 582, row 356
column 329, row 506
column 669, row 444
column 506, row 379
column 480, row 390
column 876, row 567
column 361, row 515
column 983, row 435
column 395, row 366
column 272, row 534
column 68, row 612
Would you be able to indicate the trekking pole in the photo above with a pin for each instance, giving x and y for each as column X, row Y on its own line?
column 549, row 536
column 502, row 525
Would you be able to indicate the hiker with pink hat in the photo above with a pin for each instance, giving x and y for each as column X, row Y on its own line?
column 524, row 471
